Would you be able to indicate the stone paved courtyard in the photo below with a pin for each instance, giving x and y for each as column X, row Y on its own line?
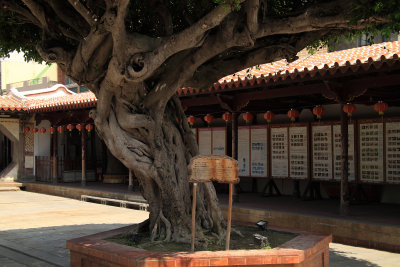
column 34, row 228
column 38, row 225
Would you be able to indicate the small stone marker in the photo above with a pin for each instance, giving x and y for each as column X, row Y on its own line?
column 221, row 169
column 260, row 240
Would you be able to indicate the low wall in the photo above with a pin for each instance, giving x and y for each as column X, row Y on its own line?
column 370, row 235
column 304, row 250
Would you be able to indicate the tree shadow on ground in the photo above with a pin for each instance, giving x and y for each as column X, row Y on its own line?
column 48, row 243
column 338, row 258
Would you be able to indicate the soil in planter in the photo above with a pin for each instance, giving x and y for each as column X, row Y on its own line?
column 248, row 241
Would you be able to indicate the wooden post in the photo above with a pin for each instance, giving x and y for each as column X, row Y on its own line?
column 130, row 186
column 55, row 157
column 344, row 186
column 193, row 216
column 83, row 158
column 228, row 230
column 235, row 154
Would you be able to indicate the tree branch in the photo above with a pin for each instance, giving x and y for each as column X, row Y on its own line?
column 252, row 7
column 115, row 24
column 62, row 10
column 310, row 20
column 55, row 54
column 191, row 37
column 87, row 48
column 87, row 15
column 38, row 11
column 174, row 78
column 210, row 72
column 11, row 5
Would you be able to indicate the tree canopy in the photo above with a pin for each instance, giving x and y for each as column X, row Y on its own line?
column 135, row 55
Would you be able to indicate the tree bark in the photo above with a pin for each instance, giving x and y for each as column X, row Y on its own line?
column 158, row 152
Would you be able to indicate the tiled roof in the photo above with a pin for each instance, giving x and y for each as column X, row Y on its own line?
column 322, row 64
column 75, row 101
column 10, row 103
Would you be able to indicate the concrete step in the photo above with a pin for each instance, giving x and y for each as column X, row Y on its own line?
column 10, row 184
column 10, row 188
column 6, row 179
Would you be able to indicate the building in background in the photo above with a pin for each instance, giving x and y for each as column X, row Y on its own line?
column 16, row 73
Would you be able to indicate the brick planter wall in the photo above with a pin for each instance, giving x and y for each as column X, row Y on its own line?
column 306, row 249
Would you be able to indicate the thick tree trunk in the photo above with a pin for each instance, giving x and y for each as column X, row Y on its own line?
column 158, row 149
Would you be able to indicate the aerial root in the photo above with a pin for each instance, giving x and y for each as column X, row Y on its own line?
column 157, row 229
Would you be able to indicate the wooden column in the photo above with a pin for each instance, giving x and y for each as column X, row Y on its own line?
column 54, row 175
column 130, row 186
column 83, row 157
column 21, row 151
column 235, row 136
column 344, row 185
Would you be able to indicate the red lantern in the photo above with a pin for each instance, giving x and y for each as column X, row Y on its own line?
column 79, row 127
column 208, row 118
column 381, row 107
column 60, row 129
column 248, row 117
column 52, row 130
column 349, row 109
column 318, row 111
column 191, row 120
column 227, row 117
column 70, row 127
column 293, row 114
column 42, row 130
column 89, row 127
column 27, row 129
column 269, row 116
column 35, row 130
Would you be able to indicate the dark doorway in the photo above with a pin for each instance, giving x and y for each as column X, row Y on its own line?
column 5, row 152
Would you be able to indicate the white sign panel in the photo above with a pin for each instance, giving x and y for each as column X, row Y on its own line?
column 371, row 152
column 298, row 152
column 218, row 141
column 258, row 151
column 393, row 152
column 322, row 152
column 279, row 152
column 337, row 152
column 205, row 141
column 29, row 162
column 243, row 151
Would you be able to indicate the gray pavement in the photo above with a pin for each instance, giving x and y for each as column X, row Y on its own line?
column 34, row 228
column 348, row 256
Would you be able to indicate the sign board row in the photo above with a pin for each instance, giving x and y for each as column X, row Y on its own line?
column 299, row 151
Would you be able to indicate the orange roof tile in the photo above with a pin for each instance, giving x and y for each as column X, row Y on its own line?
column 323, row 63
column 10, row 103
column 75, row 101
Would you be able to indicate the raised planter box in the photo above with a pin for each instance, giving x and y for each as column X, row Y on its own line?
column 306, row 249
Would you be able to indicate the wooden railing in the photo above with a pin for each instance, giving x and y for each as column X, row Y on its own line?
column 44, row 167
